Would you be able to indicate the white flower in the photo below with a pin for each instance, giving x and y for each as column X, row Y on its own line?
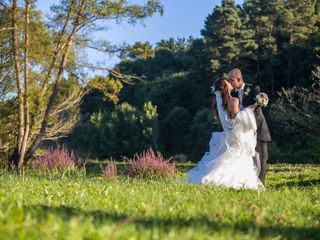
column 247, row 91
column 262, row 99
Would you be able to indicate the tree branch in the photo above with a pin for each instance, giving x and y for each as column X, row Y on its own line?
column 6, row 29
column 72, row 100
column 60, row 45
column 5, row 6
column 115, row 72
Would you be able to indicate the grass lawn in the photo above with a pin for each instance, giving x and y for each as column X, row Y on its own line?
column 86, row 206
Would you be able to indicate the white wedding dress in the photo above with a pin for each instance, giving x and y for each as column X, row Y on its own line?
column 229, row 162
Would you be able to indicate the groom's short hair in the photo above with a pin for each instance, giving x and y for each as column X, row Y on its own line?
column 236, row 72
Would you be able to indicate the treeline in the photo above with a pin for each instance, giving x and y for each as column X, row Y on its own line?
column 275, row 43
column 157, row 96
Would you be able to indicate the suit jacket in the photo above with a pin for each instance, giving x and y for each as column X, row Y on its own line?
column 249, row 94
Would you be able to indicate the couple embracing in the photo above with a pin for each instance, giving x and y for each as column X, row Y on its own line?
column 237, row 156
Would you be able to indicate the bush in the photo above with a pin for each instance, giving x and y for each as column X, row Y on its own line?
column 123, row 130
column 58, row 159
column 150, row 165
column 174, row 128
column 110, row 170
column 296, row 119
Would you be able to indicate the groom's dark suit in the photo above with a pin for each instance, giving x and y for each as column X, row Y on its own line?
column 263, row 134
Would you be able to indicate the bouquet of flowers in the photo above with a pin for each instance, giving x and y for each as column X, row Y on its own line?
column 262, row 99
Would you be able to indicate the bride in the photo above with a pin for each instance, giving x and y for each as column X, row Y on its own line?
column 229, row 162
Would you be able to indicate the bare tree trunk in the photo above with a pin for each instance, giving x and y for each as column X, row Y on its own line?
column 15, row 50
column 53, row 96
column 26, row 86
column 57, row 50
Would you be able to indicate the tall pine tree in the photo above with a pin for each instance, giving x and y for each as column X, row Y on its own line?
column 226, row 37
column 298, row 22
column 263, row 17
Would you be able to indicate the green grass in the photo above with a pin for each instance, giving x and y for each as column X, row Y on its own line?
column 89, row 207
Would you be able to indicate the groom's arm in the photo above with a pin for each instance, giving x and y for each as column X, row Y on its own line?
column 256, row 91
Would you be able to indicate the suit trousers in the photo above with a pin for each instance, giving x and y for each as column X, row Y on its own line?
column 261, row 162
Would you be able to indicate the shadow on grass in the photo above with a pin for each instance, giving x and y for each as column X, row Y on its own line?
column 298, row 183
column 41, row 212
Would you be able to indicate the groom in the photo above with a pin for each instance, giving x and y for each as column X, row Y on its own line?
column 246, row 94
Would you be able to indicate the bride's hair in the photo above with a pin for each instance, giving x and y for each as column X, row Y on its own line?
column 221, row 86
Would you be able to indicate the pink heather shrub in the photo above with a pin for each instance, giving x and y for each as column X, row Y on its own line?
column 150, row 165
column 110, row 170
column 57, row 159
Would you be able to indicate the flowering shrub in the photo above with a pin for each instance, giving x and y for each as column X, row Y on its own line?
column 150, row 165
column 110, row 170
column 57, row 159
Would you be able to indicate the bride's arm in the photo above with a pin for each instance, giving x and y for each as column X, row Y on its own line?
column 214, row 108
column 234, row 107
column 253, row 106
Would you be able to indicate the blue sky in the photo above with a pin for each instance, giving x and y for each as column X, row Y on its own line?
column 181, row 18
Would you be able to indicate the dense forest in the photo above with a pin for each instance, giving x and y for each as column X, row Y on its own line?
column 159, row 96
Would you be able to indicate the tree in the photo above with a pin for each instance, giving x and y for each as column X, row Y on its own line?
column 298, row 21
column 263, row 17
column 6, row 71
column 26, row 104
column 71, row 20
column 226, row 37
column 17, row 61
column 138, row 50
column 110, row 88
